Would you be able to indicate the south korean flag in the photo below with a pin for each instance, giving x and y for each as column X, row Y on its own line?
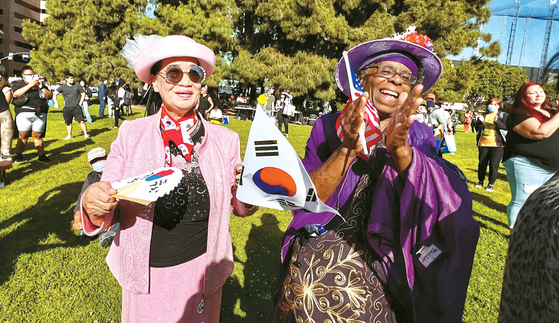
column 273, row 174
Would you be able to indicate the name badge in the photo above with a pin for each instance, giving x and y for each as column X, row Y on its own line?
column 428, row 254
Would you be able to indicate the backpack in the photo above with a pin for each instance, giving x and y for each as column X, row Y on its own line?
column 127, row 98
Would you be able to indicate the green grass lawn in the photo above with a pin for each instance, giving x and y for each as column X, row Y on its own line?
column 50, row 274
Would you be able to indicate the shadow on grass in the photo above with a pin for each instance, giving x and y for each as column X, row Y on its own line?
column 57, row 156
column 69, row 151
column 49, row 219
column 255, row 299
column 500, row 176
column 490, row 223
column 487, row 201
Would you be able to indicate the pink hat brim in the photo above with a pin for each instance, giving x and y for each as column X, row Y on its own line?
column 173, row 46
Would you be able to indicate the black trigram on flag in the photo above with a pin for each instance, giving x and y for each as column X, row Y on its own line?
column 266, row 148
column 311, row 195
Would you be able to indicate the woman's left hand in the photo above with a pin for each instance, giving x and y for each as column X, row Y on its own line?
column 399, row 125
column 238, row 171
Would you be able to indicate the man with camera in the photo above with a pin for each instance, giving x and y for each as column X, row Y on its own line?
column 73, row 95
column 30, row 97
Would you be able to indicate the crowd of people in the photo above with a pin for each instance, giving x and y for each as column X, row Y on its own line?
column 402, row 249
column 32, row 97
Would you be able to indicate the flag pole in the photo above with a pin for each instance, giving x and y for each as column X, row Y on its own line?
column 354, row 98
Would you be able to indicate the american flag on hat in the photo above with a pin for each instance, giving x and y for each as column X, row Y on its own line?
column 372, row 133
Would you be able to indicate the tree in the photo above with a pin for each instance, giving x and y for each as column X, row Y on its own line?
column 295, row 45
column 85, row 37
column 493, row 79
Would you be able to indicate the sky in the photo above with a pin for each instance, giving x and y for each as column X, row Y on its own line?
column 500, row 29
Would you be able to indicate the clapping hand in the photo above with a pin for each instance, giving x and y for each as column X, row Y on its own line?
column 399, row 125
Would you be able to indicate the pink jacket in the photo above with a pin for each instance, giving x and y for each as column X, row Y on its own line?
column 139, row 149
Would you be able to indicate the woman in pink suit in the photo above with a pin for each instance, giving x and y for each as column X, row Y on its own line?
column 173, row 256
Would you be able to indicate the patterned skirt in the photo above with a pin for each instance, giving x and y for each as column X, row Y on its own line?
column 335, row 277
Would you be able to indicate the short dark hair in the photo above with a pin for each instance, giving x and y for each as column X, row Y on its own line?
column 27, row 67
column 68, row 74
column 155, row 68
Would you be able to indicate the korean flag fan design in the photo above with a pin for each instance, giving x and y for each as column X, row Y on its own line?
column 148, row 187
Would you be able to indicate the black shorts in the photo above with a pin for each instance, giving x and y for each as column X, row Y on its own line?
column 70, row 113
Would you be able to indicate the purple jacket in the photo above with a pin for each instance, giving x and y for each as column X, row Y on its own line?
column 432, row 206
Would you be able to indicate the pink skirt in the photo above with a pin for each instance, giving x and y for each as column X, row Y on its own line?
column 175, row 294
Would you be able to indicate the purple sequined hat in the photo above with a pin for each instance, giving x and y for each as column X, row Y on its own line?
column 366, row 53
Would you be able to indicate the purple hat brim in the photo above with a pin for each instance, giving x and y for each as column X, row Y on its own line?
column 432, row 65
column 173, row 46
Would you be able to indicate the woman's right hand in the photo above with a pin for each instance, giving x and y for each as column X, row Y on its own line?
column 351, row 120
column 98, row 201
column 327, row 177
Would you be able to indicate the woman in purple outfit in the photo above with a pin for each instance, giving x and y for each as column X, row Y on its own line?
column 405, row 249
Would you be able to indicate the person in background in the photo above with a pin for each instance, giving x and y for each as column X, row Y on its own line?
column 421, row 114
column 128, row 96
column 530, row 285
column 97, row 158
column 6, row 125
column 118, row 102
column 490, row 142
column 440, row 118
column 475, row 115
column 103, row 97
column 73, row 95
column 454, row 120
column 216, row 116
column 284, row 111
column 467, row 121
column 431, row 120
column 531, row 156
column 270, row 99
column 112, row 100
column 86, row 102
column 172, row 257
column 206, row 103
column 29, row 98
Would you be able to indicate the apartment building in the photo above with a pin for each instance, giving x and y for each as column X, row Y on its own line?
column 12, row 13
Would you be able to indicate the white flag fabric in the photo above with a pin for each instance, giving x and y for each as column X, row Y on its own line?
column 273, row 174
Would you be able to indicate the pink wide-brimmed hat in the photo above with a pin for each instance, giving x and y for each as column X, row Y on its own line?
column 144, row 51
column 417, row 47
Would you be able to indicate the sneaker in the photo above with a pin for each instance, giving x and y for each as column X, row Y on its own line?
column 86, row 137
column 68, row 137
column 18, row 158
column 479, row 185
column 106, row 238
column 489, row 188
column 43, row 159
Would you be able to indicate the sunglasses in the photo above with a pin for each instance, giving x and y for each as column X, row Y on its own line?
column 174, row 74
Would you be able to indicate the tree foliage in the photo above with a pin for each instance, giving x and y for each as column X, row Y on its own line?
column 85, row 37
column 291, row 44
column 492, row 79
column 308, row 37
